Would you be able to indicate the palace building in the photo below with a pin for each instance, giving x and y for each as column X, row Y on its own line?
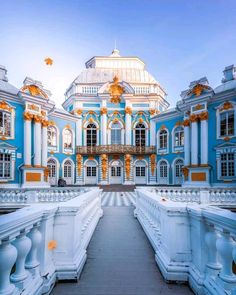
column 116, row 128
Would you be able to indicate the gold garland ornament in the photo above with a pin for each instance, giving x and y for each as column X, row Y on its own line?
column 115, row 90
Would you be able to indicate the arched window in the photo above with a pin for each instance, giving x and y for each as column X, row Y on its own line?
column 163, row 169
column 91, row 135
column 140, row 135
column 52, row 136
column 178, row 168
column 67, row 169
column 179, row 136
column 227, row 123
column 5, row 166
column 116, row 133
column 5, row 123
column 67, row 139
column 163, row 139
column 52, row 168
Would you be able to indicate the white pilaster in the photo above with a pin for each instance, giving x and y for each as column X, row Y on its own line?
column 104, row 128
column 128, row 112
column 186, row 143
column 44, row 146
column 37, row 143
column 152, row 133
column 27, row 142
column 79, row 131
column 204, row 142
column 194, row 143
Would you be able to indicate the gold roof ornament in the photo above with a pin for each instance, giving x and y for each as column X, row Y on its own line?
column 115, row 90
column 48, row 61
column 34, row 90
column 198, row 89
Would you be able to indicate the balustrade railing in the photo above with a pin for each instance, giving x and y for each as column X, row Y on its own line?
column 40, row 244
column 115, row 149
column 22, row 196
column 193, row 242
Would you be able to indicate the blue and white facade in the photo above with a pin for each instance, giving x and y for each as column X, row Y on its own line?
column 115, row 128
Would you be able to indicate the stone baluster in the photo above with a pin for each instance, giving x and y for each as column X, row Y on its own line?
column 8, row 255
column 32, row 259
column 225, row 245
column 23, row 245
column 213, row 266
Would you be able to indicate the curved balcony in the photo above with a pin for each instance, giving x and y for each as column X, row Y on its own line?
column 116, row 149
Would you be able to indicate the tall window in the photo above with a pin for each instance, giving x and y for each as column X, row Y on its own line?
column 67, row 169
column 178, row 168
column 163, row 139
column 67, row 139
column 227, row 123
column 140, row 135
column 5, row 123
column 163, row 169
column 91, row 135
column 227, row 165
column 5, row 166
column 52, row 168
column 179, row 136
column 52, row 136
column 116, row 133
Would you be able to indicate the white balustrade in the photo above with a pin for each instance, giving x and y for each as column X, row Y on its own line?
column 31, row 240
column 192, row 242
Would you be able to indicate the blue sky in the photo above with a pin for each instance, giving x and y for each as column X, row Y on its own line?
column 180, row 40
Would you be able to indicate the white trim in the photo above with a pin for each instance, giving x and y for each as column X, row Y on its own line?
column 176, row 148
column 165, row 150
column 72, row 169
column 51, row 148
column 122, row 131
column 71, row 151
column 57, row 167
column 12, row 119
column 173, row 166
column 146, row 170
column 85, row 170
column 146, row 132
column 122, row 170
column 218, row 112
column 158, row 172
column 85, row 131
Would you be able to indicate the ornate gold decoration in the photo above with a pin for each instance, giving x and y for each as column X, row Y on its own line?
column 140, row 120
column 28, row 116
column 198, row 107
column 3, row 138
column 115, row 157
column 116, row 113
column 46, row 173
column 51, row 123
column 226, row 106
column 186, row 122
column 185, row 172
column 91, row 120
column 115, row 90
column 91, row 158
column 115, row 120
column 153, row 163
column 193, row 118
column 227, row 138
column 152, row 112
column 33, row 107
column 79, row 164
column 163, row 127
column 140, row 157
column 103, row 111
column 198, row 89
column 128, row 110
column 52, row 153
column 79, row 112
column 67, row 126
column 52, row 245
column 179, row 123
column 34, row 90
column 37, row 119
column 203, row 116
column 127, row 165
column 104, row 161
column 45, row 123
column 48, row 61
column 5, row 106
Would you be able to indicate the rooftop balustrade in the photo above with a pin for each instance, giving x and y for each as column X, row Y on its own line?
column 115, row 149
column 40, row 244
column 193, row 242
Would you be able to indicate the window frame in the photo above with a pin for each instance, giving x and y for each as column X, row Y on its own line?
column 8, row 110
column 220, row 111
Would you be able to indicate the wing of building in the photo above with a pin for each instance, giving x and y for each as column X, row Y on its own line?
column 115, row 128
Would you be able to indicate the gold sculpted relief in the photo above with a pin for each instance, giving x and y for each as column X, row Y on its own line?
column 79, row 164
column 153, row 163
column 128, row 110
column 34, row 90
column 127, row 165
column 104, row 166
column 115, row 90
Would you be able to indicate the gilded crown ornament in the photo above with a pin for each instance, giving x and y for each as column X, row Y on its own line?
column 5, row 106
column 226, row 106
column 115, row 91
column 128, row 110
column 34, row 90
column 198, row 89
column 103, row 111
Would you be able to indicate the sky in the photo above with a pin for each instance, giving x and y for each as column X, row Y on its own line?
column 179, row 40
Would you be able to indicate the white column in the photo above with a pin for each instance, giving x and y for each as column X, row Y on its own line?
column 44, row 145
column 153, row 133
column 194, row 142
column 186, row 143
column 37, row 142
column 27, row 141
column 79, row 132
column 204, row 140
column 128, row 112
column 103, row 126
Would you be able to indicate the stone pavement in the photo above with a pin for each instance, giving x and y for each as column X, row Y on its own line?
column 117, row 199
column 120, row 261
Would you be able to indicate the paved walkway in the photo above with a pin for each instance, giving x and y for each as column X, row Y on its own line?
column 117, row 188
column 118, row 199
column 120, row 261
